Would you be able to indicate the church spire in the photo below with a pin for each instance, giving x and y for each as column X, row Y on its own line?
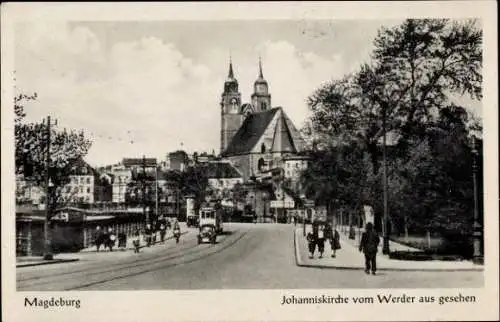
column 231, row 74
column 260, row 68
column 231, row 84
column 260, row 79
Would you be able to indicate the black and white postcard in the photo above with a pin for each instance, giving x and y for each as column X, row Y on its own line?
column 250, row 161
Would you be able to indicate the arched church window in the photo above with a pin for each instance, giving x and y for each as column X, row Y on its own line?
column 263, row 106
column 260, row 164
column 263, row 148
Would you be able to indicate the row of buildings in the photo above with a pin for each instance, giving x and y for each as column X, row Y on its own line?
column 115, row 185
column 258, row 143
column 261, row 152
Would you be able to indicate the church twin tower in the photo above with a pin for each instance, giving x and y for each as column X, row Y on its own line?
column 233, row 112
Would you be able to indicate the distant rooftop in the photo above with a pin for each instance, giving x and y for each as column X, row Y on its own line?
column 129, row 162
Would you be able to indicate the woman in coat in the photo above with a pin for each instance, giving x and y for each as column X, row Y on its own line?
column 335, row 241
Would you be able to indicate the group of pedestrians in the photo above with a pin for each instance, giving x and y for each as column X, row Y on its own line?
column 322, row 232
column 107, row 238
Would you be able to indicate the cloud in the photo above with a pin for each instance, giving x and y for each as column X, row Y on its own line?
column 293, row 76
column 148, row 92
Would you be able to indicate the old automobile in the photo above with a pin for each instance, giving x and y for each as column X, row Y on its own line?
column 208, row 223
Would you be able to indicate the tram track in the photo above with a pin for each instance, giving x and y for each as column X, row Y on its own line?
column 158, row 267
column 106, row 264
column 136, row 266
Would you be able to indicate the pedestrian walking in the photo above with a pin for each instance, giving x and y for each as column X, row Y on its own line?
column 163, row 228
column 111, row 240
column 177, row 231
column 136, row 241
column 321, row 240
column 98, row 238
column 335, row 241
column 333, row 237
column 122, row 240
column 311, row 244
column 369, row 246
column 147, row 233
column 105, row 238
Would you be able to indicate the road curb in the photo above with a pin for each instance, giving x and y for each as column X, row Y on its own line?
column 61, row 261
column 300, row 263
column 49, row 262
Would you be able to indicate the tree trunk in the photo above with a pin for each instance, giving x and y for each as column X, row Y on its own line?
column 374, row 158
column 406, row 229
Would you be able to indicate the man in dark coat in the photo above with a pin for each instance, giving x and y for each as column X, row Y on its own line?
column 369, row 246
column 98, row 237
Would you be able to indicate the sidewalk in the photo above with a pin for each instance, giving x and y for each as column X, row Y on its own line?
column 26, row 261
column 394, row 246
column 349, row 257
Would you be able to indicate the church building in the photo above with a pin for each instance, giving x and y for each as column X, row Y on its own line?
column 255, row 136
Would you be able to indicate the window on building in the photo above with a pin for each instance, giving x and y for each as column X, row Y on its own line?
column 88, row 190
column 88, row 180
column 81, row 189
column 75, row 189
column 263, row 148
column 260, row 164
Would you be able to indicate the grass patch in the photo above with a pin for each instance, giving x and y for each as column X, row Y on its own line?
column 420, row 242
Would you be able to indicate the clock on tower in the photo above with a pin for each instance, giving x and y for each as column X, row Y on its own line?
column 234, row 105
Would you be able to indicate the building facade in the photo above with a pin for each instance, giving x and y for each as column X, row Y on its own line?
column 255, row 137
column 177, row 161
column 120, row 177
column 222, row 177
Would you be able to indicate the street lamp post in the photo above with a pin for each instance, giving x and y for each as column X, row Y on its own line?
column 477, row 234
column 48, row 189
column 385, row 248
column 156, row 192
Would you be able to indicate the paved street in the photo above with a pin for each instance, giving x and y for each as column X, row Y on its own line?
column 248, row 256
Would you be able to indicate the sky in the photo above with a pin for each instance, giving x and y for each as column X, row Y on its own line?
column 152, row 87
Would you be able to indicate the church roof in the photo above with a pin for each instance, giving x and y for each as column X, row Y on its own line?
column 221, row 170
column 250, row 132
column 282, row 140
